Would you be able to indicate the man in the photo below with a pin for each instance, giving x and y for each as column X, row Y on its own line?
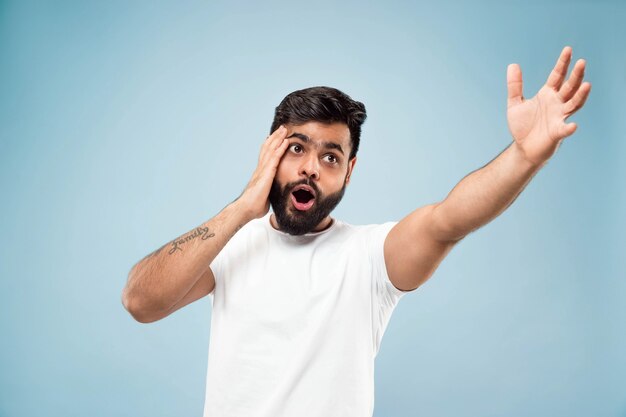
column 300, row 299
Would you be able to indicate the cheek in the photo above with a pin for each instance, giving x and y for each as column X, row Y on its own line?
column 335, row 182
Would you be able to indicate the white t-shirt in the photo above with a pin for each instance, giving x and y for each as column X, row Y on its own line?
column 297, row 322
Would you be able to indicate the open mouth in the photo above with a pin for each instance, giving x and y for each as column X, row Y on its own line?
column 303, row 197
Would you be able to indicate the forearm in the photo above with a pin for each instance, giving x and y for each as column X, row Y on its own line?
column 163, row 277
column 484, row 194
column 160, row 280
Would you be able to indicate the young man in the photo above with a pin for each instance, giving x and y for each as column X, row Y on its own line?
column 301, row 300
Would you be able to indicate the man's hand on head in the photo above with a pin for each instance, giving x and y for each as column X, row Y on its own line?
column 255, row 197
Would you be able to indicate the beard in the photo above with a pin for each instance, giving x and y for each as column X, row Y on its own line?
column 296, row 222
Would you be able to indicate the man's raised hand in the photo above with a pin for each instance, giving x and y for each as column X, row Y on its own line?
column 538, row 125
column 256, row 195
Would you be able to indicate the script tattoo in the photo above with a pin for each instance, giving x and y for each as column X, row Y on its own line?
column 203, row 232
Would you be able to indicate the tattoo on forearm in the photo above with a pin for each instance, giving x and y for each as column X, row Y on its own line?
column 203, row 232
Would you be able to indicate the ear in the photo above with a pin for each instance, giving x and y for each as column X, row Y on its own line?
column 351, row 164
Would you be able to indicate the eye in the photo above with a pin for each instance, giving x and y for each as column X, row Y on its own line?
column 295, row 148
column 331, row 158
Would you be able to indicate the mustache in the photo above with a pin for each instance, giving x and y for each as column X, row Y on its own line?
column 292, row 185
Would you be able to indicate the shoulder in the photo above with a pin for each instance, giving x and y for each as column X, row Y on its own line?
column 372, row 229
column 373, row 234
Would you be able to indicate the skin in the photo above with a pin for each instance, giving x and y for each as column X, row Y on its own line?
column 322, row 158
column 167, row 280
column 419, row 242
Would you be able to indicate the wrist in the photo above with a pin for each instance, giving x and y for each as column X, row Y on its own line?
column 523, row 160
column 242, row 210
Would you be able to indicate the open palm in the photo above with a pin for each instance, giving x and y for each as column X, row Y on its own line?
column 538, row 125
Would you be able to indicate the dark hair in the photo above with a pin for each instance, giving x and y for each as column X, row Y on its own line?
column 325, row 105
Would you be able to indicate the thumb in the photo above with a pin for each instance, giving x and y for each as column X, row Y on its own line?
column 568, row 129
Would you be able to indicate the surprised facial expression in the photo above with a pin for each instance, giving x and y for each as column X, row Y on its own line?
column 311, row 177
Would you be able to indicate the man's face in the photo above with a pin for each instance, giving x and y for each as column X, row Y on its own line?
column 311, row 177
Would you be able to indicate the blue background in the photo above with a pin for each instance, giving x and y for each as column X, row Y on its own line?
column 125, row 124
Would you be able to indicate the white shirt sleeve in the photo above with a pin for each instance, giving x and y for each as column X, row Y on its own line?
column 385, row 295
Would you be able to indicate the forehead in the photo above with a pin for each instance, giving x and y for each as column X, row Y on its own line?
column 323, row 132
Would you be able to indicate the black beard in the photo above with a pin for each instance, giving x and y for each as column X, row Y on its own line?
column 297, row 222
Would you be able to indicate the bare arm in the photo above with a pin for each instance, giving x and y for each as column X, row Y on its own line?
column 538, row 127
column 484, row 194
column 418, row 243
column 416, row 246
column 178, row 272
column 161, row 279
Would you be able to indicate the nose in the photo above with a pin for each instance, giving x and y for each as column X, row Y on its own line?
column 310, row 167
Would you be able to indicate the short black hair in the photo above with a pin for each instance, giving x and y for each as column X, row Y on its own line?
column 325, row 105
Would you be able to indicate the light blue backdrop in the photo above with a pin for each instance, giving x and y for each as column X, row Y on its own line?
column 126, row 124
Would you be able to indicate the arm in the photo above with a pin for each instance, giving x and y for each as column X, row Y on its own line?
column 417, row 244
column 178, row 273
column 157, row 282
column 484, row 194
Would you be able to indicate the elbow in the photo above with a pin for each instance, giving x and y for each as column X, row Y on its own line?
column 136, row 309
column 441, row 227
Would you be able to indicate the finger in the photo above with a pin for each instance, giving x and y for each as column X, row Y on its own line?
column 572, row 84
column 514, row 84
column 578, row 100
column 276, row 133
column 280, row 151
column 567, row 129
column 271, row 141
column 266, row 145
column 560, row 69
column 279, row 140
column 278, row 147
column 273, row 159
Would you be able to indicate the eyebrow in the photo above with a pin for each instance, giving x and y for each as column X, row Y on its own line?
column 325, row 144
